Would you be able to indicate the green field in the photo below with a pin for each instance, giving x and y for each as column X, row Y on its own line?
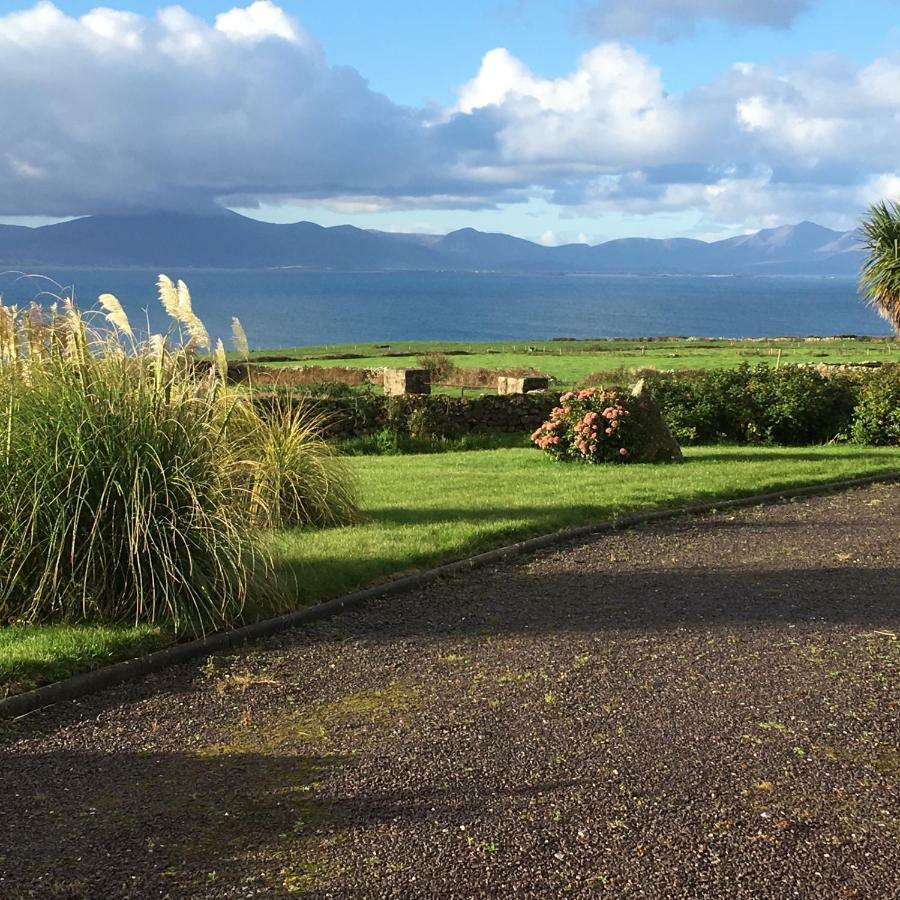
column 571, row 361
column 426, row 509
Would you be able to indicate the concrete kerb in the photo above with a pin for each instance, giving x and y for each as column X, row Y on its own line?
column 118, row 673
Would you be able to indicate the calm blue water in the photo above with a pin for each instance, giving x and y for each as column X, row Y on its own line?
column 290, row 308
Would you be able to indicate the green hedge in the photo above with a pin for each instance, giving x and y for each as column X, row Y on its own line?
column 788, row 406
column 876, row 419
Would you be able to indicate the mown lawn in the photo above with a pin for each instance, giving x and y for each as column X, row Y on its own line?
column 31, row 655
column 570, row 361
column 426, row 509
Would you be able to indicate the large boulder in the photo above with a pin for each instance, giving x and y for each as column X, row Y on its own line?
column 656, row 443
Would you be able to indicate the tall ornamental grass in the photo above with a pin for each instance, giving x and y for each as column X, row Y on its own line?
column 295, row 478
column 129, row 488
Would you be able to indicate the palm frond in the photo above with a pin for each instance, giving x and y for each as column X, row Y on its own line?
column 879, row 280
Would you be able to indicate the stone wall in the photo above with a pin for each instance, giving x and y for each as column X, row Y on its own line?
column 442, row 416
column 487, row 414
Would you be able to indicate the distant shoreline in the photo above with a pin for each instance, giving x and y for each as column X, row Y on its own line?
column 35, row 269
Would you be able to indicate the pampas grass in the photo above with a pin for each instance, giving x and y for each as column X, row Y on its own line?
column 295, row 479
column 116, row 496
column 134, row 486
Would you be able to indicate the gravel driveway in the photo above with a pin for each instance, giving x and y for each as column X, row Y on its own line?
column 705, row 708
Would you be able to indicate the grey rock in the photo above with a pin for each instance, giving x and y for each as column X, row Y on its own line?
column 657, row 443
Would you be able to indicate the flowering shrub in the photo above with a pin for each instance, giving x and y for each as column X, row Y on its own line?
column 592, row 425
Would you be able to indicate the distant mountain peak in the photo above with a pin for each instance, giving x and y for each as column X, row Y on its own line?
column 226, row 239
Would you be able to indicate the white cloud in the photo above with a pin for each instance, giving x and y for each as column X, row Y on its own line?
column 23, row 168
column 755, row 114
column 762, row 143
column 259, row 21
column 119, row 111
column 668, row 19
column 170, row 111
column 876, row 188
column 503, row 76
column 123, row 29
column 612, row 106
column 552, row 238
column 878, row 82
column 735, row 203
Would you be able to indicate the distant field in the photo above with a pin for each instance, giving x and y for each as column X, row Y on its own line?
column 570, row 361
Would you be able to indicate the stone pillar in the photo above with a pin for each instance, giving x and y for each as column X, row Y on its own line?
column 507, row 385
column 398, row 382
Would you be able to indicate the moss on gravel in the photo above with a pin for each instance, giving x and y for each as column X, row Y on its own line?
column 298, row 815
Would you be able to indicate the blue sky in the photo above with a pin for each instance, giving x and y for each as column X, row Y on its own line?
column 657, row 134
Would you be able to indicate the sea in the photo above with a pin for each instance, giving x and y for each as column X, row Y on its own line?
column 290, row 308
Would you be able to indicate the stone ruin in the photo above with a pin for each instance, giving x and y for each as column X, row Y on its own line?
column 508, row 385
column 399, row 382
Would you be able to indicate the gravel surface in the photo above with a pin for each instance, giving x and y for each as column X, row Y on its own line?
column 705, row 708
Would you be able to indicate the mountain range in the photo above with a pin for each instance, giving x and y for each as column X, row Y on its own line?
column 227, row 240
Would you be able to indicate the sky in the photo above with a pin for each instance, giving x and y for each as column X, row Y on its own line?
column 556, row 120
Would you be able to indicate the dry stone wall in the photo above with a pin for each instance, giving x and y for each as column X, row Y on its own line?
column 365, row 414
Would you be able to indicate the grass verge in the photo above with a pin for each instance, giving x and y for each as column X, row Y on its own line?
column 38, row 654
column 426, row 509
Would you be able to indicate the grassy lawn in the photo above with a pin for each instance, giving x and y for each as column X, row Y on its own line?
column 32, row 655
column 426, row 509
column 570, row 361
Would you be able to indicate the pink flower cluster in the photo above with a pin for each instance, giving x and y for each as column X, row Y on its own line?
column 547, row 435
column 614, row 416
column 585, row 394
column 586, row 434
column 589, row 424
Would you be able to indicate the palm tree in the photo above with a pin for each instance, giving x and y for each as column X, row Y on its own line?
column 879, row 279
